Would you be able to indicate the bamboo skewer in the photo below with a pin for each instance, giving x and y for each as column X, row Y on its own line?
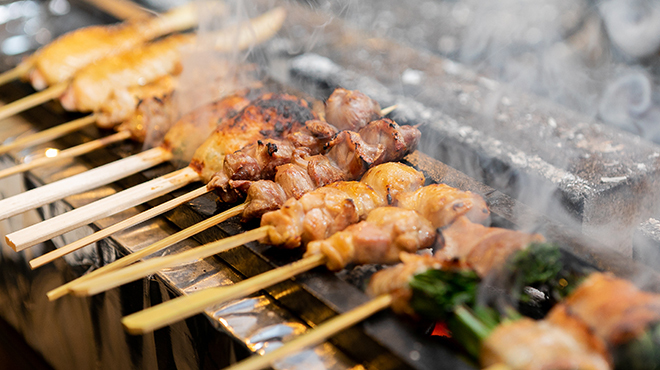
column 143, row 269
column 48, row 134
column 82, row 182
column 14, row 73
column 133, row 257
column 317, row 335
column 33, row 100
column 104, row 207
column 385, row 111
column 66, row 154
column 183, row 307
column 140, row 217
column 121, row 9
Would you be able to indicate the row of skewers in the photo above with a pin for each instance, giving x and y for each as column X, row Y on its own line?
column 298, row 168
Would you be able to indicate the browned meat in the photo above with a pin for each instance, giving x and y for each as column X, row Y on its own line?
column 318, row 214
column 350, row 110
column 454, row 203
column 394, row 280
column 189, row 131
column 63, row 57
column 481, row 248
column 391, row 178
column 92, row 86
column 271, row 116
column 305, row 174
column 264, row 196
column 259, row 161
column 151, row 120
column 380, row 238
column 541, row 345
column 123, row 103
column 614, row 309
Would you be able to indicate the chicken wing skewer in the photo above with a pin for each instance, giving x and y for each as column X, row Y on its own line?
column 256, row 161
column 89, row 88
column 58, row 61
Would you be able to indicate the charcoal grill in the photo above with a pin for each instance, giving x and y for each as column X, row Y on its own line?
column 494, row 164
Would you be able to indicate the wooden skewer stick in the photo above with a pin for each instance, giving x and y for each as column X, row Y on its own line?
column 33, row 100
column 14, row 73
column 87, row 180
column 140, row 217
column 66, row 154
column 127, row 260
column 385, row 111
column 317, row 335
column 143, row 269
column 105, row 207
column 121, row 9
column 183, row 307
column 48, row 134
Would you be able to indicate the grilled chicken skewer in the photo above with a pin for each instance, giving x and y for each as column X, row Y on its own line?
column 117, row 170
column 143, row 110
column 270, row 116
column 91, row 86
column 379, row 238
column 58, row 61
column 253, row 162
column 435, row 287
column 266, row 195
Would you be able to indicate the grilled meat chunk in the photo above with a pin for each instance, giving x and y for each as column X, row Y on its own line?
column 191, row 129
column 612, row 308
column 481, row 248
column 92, row 86
column 350, row 110
column 271, row 116
column 455, row 203
column 380, row 238
column 123, row 103
column 541, row 345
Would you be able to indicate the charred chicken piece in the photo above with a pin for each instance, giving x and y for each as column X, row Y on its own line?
column 189, row 131
column 347, row 158
column 380, row 239
column 271, row 116
column 538, row 345
column 350, row 110
column 259, row 161
column 481, row 248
